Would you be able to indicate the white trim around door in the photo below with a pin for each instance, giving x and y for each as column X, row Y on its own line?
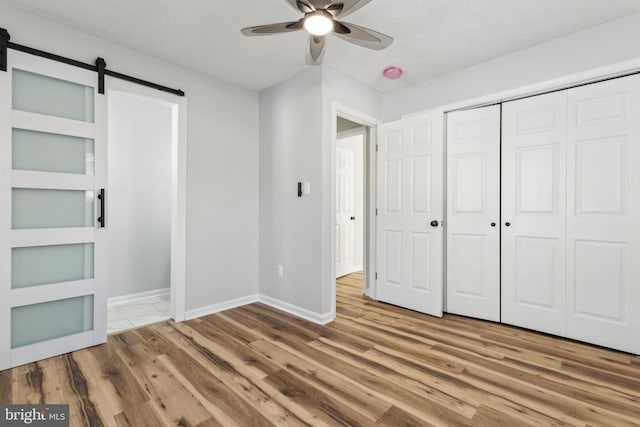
column 179, row 187
column 371, row 123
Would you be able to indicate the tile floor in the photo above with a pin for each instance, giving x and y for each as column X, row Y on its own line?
column 137, row 313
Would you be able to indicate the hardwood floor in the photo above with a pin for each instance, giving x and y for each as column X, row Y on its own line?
column 375, row 365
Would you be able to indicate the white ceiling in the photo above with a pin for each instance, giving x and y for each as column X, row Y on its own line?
column 432, row 37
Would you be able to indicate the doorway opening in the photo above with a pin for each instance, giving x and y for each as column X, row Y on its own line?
column 141, row 209
column 354, row 204
column 349, row 197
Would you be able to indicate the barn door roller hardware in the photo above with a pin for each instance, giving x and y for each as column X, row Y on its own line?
column 4, row 43
column 99, row 67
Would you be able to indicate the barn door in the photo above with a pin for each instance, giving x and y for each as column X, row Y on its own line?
column 410, row 212
column 52, row 173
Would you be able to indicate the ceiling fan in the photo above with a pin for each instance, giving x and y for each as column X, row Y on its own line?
column 320, row 19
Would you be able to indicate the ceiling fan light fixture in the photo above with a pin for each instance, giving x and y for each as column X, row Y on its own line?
column 318, row 23
column 320, row 19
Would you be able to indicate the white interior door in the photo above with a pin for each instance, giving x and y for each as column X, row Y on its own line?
column 603, row 214
column 410, row 211
column 473, row 213
column 345, row 211
column 534, row 212
column 52, row 252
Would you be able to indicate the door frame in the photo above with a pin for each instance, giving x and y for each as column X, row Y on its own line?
column 369, row 163
column 178, row 106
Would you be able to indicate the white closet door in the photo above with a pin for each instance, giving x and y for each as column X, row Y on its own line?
column 534, row 212
column 473, row 213
column 603, row 221
column 410, row 209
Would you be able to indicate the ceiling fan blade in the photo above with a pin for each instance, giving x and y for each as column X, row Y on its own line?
column 335, row 9
column 362, row 36
column 348, row 7
column 316, row 49
column 303, row 6
column 265, row 30
column 321, row 4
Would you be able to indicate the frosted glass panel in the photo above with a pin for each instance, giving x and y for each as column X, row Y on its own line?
column 36, row 323
column 34, row 208
column 49, row 152
column 41, row 265
column 40, row 94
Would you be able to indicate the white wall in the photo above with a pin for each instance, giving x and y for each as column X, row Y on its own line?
column 222, row 168
column 291, row 151
column 139, row 194
column 297, row 128
column 607, row 44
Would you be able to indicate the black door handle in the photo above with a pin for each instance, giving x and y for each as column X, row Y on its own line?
column 101, row 218
column 493, row 224
column 353, row 218
column 508, row 224
column 434, row 223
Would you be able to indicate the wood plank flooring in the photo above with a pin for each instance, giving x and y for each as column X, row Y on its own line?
column 375, row 365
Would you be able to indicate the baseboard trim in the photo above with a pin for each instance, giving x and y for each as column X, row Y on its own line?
column 222, row 306
column 321, row 319
column 138, row 296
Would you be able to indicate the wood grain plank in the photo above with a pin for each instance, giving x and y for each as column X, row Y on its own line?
column 415, row 397
column 27, row 384
column 239, row 350
column 489, row 417
column 323, row 406
column 141, row 415
column 562, row 390
column 376, row 364
column 85, row 407
column 301, row 327
column 5, row 385
column 169, row 398
column 451, row 408
column 397, row 417
column 106, row 364
column 104, row 392
column 221, row 379
column 340, row 388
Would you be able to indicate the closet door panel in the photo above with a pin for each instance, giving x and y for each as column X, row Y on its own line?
column 533, row 212
column 473, row 204
column 603, row 214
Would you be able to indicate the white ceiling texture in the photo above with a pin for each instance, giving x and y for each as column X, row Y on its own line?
column 432, row 37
